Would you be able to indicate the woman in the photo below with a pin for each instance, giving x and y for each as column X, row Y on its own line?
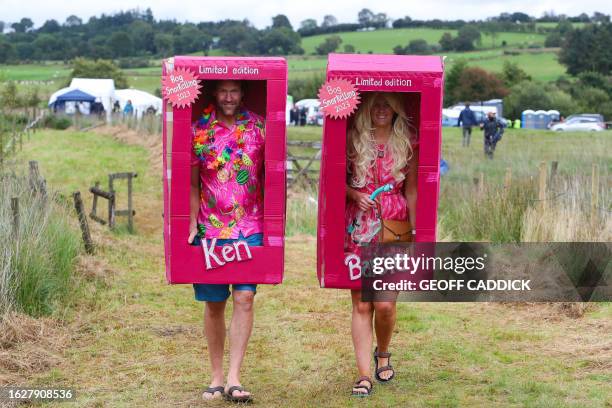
column 381, row 149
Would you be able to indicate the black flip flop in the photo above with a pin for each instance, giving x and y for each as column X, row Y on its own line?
column 212, row 390
column 230, row 397
column 385, row 368
column 365, row 387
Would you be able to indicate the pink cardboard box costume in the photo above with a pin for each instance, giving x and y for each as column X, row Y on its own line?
column 420, row 80
column 265, row 95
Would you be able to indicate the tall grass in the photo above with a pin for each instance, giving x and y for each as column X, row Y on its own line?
column 36, row 261
column 494, row 214
column 302, row 207
column 514, row 214
column 146, row 124
column 568, row 216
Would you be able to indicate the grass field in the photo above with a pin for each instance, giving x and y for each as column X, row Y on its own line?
column 383, row 41
column 138, row 342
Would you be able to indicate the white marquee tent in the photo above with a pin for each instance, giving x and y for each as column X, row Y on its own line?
column 141, row 101
column 100, row 88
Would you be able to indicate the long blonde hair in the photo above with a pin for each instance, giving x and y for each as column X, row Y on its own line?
column 361, row 151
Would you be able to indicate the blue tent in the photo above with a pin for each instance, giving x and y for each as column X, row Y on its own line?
column 75, row 95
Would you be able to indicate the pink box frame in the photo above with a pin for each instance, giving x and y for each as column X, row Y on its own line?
column 185, row 263
column 425, row 75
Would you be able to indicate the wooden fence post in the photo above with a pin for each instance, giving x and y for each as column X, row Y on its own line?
column 130, row 211
column 1, row 151
column 553, row 172
column 15, row 210
column 594, row 193
column 542, row 186
column 78, row 205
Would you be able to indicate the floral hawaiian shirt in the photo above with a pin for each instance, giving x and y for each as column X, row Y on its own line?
column 231, row 174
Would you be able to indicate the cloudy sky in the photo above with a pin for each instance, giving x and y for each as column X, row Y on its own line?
column 297, row 10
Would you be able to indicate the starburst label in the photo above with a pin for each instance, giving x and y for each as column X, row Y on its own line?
column 339, row 98
column 180, row 87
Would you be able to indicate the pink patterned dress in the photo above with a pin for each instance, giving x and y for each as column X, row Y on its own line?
column 393, row 204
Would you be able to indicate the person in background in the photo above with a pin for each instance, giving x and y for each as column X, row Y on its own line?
column 466, row 120
column 517, row 124
column 294, row 115
column 303, row 112
column 493, row 130
column 128, row 109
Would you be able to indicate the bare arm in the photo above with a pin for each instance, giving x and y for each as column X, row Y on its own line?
column 410, row 188
column 362, row 199
column 194, row 200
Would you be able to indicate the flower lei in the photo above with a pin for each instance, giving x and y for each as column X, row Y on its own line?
column 204, row 136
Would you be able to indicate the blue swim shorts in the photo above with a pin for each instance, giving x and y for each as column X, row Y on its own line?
column 206, row 292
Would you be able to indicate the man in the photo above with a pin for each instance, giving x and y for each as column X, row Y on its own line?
column 467, row 119
column 227, row 204
column 493, row 130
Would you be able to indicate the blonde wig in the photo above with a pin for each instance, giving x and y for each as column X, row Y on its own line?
column 361, row 148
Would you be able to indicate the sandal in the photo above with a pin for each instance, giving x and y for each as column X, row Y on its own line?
column 229, row 395
column 365, row 387
column 212, row 391
column 388, row 367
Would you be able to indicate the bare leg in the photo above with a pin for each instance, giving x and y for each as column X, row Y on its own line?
column 214, row 330
column 361, row 329
column 384, row 322
column 240, row 332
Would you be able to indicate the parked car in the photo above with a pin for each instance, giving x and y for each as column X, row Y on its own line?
column 579, row 123
column 597, row 116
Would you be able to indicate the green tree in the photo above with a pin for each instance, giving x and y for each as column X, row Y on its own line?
column 446, row 42
column 513, row 74
column 418, row 46
column 466, row 37
column 280, row 41
column 476, row 84
column 120, row 43
column 329, row 21
column 24, row 25
column 50, row 26
column 451, row 82
column 191, row 39
column 349, row 49
column 73, row 21
column 238, row 38
column 7, row 50
column 330, row 44
column 365, row 17
column 51, row 46
column 163, row 44
column 280, row 21
column 588, row 49
column 143, row 36
column 308, row 24
column 84, row 68
column 537, row 95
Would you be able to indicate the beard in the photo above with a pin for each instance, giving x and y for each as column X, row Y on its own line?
column 229, row 109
